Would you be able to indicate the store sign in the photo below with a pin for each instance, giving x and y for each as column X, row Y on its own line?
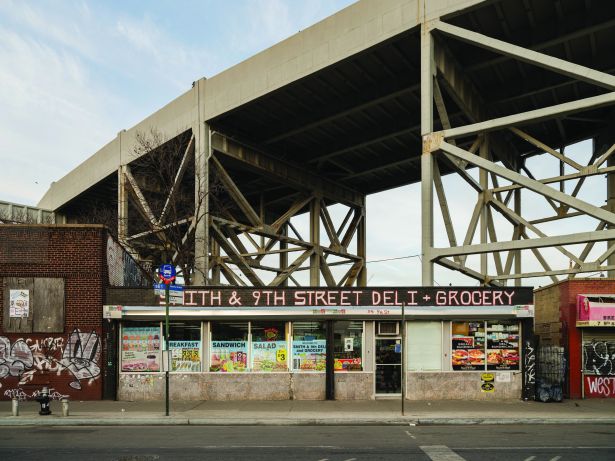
column 596, row 308
column 185, row 355
column 366, row 297
column 599, row 386
column 595, row 323
column 112, row 312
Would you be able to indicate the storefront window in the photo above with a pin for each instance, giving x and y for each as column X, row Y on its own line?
column 424, row 346
column 229, row 346
column 348, row 345
column 309, row 346
column 141, row 346
column 502, row 345
column 269, row 346
column 495, row 347
column 468, row 346
column 185, row 346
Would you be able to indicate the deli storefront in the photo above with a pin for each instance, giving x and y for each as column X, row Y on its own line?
column 322, row 343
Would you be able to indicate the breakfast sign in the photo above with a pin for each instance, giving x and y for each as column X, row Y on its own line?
column 357, row 297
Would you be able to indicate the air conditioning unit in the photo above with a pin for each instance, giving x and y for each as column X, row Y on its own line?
column 388, row 328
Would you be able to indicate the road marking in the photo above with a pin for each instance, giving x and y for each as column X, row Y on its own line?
column 351, row 459
column 555, row 458
column 410, row 435
column 324, row 459
column 441, row 453
column 530, row 458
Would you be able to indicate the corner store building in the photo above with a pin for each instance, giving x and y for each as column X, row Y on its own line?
column 317, row 343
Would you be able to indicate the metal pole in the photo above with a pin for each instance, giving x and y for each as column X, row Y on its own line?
column 403, row 359
column 166, row 347
column 330, row 362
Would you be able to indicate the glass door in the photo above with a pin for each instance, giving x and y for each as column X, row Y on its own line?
column 388, row 366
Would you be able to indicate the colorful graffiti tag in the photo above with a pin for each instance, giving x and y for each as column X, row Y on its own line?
column 79, row 356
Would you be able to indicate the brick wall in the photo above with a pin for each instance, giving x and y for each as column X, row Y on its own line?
column 76, row 254
column 564, row 296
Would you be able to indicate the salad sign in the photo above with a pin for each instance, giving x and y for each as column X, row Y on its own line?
column 269, row 356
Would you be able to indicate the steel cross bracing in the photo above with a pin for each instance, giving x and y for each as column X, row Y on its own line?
column 226, row 237
column 499, row 256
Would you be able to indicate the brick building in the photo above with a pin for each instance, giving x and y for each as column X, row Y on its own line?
column 53, row 281
column 558, row 324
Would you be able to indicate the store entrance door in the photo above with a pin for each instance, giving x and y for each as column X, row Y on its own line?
column 388, row 366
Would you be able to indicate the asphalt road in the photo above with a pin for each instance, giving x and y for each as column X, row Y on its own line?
column 311, row 443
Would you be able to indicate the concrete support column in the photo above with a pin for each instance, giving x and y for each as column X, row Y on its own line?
column 427, row 167
column 315, row 240
column 202, row 154
column 362, row 246
column 484, row 183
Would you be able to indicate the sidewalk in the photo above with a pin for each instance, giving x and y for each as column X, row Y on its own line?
column 301, row 412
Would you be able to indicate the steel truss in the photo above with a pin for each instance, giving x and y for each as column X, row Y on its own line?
column 233, row 236
column 496, row 162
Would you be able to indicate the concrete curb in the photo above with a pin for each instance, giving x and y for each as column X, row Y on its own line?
column 175, row 421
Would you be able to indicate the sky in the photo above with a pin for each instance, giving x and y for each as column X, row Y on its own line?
column 75, row 73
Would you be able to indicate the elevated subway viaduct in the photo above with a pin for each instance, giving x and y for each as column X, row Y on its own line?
column 379, row 95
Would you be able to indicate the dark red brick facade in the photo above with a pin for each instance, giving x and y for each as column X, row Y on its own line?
column 69, row 361
column 561, row 298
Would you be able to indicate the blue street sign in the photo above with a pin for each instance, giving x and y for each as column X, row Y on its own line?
column 167, row 271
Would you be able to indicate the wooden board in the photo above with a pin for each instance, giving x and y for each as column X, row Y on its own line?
column 49, row 302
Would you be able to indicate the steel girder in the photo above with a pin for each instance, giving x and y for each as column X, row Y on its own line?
column 437, row 65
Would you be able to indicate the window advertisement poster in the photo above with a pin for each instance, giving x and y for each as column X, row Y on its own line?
column 269, row 356
column 141, row 349
column 185, row 355
column 468, row 346
column 19, row 303
column 348, row 364
column 502, row 345
column 310, row 355
column 229, row 356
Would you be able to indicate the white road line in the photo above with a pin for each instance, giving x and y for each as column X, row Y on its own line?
column 530, row 458
column 441, row 453
column 324, row 459
column 555, row 458
column 410, row 435
column 351, row 459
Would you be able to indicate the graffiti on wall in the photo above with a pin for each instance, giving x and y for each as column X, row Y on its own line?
column 599, row 358
column 529, row 361
column 78, row 355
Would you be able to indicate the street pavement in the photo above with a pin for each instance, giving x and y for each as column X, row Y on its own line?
column 302, row 412
column 311, row 443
